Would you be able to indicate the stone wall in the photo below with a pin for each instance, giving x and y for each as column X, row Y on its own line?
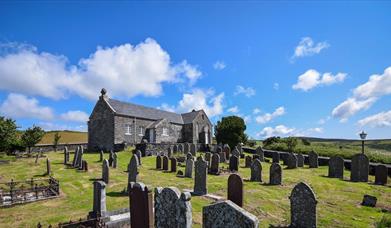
column 60, row 147
column 136, row 124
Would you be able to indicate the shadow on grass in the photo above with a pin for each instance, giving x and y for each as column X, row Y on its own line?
column 41, row 175
column 117, row 194
column 95, row 179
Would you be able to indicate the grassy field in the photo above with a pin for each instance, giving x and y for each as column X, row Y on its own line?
column 66, row 137
column 339, row 200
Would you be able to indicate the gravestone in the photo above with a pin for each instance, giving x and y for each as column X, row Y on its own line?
column 105, row 171
column 99, row 203
column 200, row 177
column 336, row 167
column 359, row 168
column 165, row 163
column 227, row 151
column 158, row 162
column 75, row 156
column 36, row 158
column 300, row 160
column 208, row 157
column 260, row 153
column 186, row 148
column 189, row 168
column 101, row 155
column 313, row 160
column 172, row 209
column 276, row 157
column 189, row 156
column 66, row 155
column 173, row 164
column 111, row 158
column 180, row 148
column 256, row 171
column 239, row 146
column 248, row 160
column 175, row 149
column 303, row 206
column 48, row 169
column 291, row 161
column 275, row 174
column 214, row 167
column 226, row 214
column 369, row 201
column 235, row 189
column 115, row 160
column 141, row 205
column 234, row 163
column 193, row 149
column 133, row 169
column 139, row 155
column 169, row 151
column 79, row 164
column 84, row 165
column 381, row 175
column 236, row 153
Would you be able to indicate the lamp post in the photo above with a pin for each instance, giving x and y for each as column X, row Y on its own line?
column 363, row 135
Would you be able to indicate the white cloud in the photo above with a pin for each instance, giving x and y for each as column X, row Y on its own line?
column 75, row 116
column 350, row 106
column 312, row 78
column 307, row 47
column 315, row 130
column 199, row 99
column 124, row 70
column 233, row 109
column 256, row 110
column 20, row 106
column 382, row 119
column 219, row 65
column 279, row 130
column 276, row 86
column 247, row 119
column 261, row 119
column 248, row 92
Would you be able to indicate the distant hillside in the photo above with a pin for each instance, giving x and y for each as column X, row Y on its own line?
column 66, row 137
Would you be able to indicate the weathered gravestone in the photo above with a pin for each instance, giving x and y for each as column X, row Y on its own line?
column 115, row 160
column 381, row 174
column 359, row 168
column 208, row 157
column 200, row 177
column 172, row 209
column 189, row 168
column 256, row 171
column 133, row 169
column 276, row 157
column 186, row 148
column 235, row 189
column 158, row 162
column 180, row 148
column 80, row 158
column 248, row 160
column 84, row 165
column 169, row 151
column 141, row 205
column 222, row 157
column 99, row 203
column 236, row 153
column 226, row 214
column 291, row 161
column 66, row 155
column 313, row 160
column 336, row 167
column 48, row 169
column 139, row 155
column 239, row 146
column 214, row 167
column 105, row 171
column 75, row 156
column 36, row 158
column 369, row 201
column 173, row 164
column 193, row 149
column 303, row 206
column 300, row 160
column 101, row 155
column 227, row 151
column 189, row 156
column 165, row 163
column 175, row 149
column 111, row 158
column 275, row 174
column 260, row 154
column 234, row 163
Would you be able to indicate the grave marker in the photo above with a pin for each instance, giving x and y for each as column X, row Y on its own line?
column 336, row 167
column 256, row 171
column 235, row 189
column 200, row 179
column 303, row 206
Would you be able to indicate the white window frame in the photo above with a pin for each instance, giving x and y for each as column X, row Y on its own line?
column 141, row 133
column 165, row 131
column 128, row 129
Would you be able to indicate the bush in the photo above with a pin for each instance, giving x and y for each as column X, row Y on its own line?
column 230, row 130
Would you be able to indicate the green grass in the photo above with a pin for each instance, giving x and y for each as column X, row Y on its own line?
column 339, row 200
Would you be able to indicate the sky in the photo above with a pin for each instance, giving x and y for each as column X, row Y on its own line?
column 317, row 69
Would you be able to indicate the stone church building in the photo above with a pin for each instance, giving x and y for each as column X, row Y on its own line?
column 114, row 123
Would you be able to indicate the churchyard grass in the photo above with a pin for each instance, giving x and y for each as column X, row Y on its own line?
column 338, row 200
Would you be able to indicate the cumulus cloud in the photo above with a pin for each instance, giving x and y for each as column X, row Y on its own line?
column 315, row 130
column 75, row 116
column 365, row 95
column 219, row 65
column 267, row 117
column 233, row 109
column 248, row 92
column 312, row 78
column 307, row 47
column 198, row 99
column 276, row 86
column 125, row 70
column 382, row 119
column 279, row 130
column 20, row 106
column 256, row 110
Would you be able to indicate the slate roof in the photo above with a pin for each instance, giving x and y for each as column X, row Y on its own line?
column 140, row 111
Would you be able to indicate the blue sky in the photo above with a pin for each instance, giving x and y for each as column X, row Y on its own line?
column 315, row 69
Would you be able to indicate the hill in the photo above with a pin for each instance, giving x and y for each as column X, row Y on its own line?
column 66, row 137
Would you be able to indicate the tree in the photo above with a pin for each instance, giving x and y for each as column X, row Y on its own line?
column 56, row 140
column 270, row 141
column 230, row 130
column 32, row 136
column 8, row 133
column 306, row 142
column 291, row 143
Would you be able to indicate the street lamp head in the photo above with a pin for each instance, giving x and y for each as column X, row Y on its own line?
column 363, row 135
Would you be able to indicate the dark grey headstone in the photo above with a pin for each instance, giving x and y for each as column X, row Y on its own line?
column 141, row 205
column 115, row 160
column 234, row 163
column 227, row 151
column 99, row 203
column 48, row 168
column 235, row 152
column 200, row 179
column 75, row 156
column 66, row 155
column 235, row 189
column 291, row 161
column 208, row 157
column 247, row 161
column 222, row 157
column 300, row 160
column 175, row 148
column 303, row 206
column 260, row 153
column 173, row 164
column 193, row 149
column 313, row 160
column 139, row 155
column 369, row 201
column 105, row 171
column 186, row 148
column 381, row 174
column 276, row 157
column 189, row 156
column 275, row 174
column 158, row 162
column 180, row 148
column 214, row 167
column 336, row 167
column 133, row 169
column 169, row 151
column 256, row 171
column 360, row 168
column 165, row 163
column 101, row 155
column 189, row 168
